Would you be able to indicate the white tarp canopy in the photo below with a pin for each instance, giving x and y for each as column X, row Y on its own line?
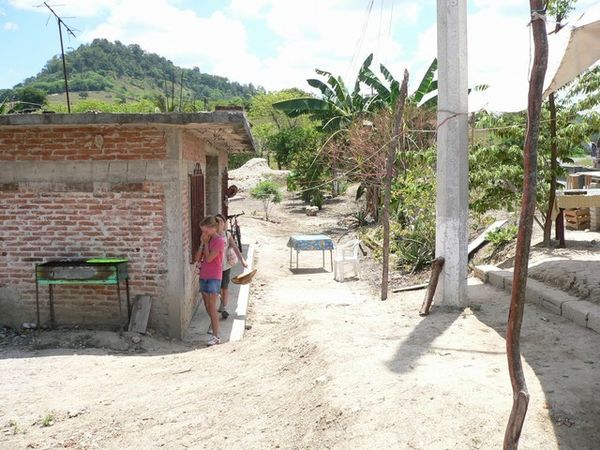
column 573, row 50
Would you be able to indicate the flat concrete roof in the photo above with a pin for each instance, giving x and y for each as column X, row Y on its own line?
column 225, row 128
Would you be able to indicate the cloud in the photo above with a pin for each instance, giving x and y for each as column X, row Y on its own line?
column 10, row 26
column 335, row 35
column 219, row 42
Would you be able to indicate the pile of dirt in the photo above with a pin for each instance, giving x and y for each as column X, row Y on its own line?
column 254, row 171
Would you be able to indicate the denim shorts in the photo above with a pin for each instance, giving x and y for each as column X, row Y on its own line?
column 212, row 286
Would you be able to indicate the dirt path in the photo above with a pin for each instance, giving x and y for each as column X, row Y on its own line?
column 324, row 365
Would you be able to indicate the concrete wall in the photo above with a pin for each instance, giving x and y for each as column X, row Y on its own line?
column 193, row 153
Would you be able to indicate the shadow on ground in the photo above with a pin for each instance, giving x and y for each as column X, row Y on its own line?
column 570, row 392
column 568, row 373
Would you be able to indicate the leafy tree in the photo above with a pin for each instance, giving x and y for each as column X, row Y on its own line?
column 103, row 65
column 266, row 120
column 28, row 99
column 288, row 142
column 268, row 192
column 496, row 164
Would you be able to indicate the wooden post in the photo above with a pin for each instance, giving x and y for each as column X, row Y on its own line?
column 517, row 304
column 387, row 193
column 553, row 169
column 436, row 269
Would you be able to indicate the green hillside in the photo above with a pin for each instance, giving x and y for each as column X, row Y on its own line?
column 117, row 73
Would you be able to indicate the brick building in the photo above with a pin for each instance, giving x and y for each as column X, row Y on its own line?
column 126, row 185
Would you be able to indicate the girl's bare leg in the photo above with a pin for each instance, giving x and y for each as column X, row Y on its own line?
column 211, row 308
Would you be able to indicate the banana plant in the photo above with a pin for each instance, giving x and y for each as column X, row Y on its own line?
column 337, row 106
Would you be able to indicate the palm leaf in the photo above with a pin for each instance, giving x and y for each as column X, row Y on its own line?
column 365, row 65
column 425, row 86
column 370, row 79
column 325, row 90
column 337, row 85
column 430, row 103
column 298, row 106
column 386, row 73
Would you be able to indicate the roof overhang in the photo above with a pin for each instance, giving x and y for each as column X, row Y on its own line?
column 227, row 130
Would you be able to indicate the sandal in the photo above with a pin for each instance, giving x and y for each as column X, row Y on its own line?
column 213, row 341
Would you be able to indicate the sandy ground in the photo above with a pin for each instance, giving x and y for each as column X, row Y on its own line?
column 324, row 365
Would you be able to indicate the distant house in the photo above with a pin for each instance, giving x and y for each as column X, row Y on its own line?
column 126, row 185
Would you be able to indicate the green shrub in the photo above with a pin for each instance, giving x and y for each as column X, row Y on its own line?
column 503, row 236
column 268, row 192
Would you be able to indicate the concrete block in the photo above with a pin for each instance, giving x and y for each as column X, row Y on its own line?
column 136, row 171
column 482, row 271
column 496, row 278
column 117, row 171
column 508, row 281
column 553, row 299
column 7, row 173
column 100, row 170
column 71, row 171
column 533, row 291
column 551, row 307
column 577, row 311
column 593, row 321
column 162, row 171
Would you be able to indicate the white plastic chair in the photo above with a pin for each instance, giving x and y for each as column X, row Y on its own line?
column 346, row 254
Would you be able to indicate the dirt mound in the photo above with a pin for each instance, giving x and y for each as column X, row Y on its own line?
column 255, row 170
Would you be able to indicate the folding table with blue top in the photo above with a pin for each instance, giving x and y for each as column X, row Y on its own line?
column 311, row 242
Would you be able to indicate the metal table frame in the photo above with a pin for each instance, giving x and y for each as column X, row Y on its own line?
column 50, row 283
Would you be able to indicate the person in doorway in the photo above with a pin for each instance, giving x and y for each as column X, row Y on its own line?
column 231, row 258
column 210, row 256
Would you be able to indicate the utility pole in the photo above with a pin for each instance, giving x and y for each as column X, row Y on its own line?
column 61, row 23
column 452, row 204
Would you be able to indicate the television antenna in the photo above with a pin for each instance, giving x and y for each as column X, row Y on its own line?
column 70, row 31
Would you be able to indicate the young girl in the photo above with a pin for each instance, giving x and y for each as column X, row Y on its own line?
column 210, row 256
column 229, row 244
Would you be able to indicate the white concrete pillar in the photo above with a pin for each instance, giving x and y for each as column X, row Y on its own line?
column 452, row 205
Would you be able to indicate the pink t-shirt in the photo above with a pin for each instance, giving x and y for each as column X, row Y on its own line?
column 213, row 270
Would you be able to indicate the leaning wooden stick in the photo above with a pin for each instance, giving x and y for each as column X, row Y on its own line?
column 517, row 304
column 436, row 269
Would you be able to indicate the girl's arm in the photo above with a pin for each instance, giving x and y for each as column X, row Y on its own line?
column 210, row 255
column 236, row 250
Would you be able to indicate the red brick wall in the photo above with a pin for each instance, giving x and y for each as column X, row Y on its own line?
column 43, row 221
column 82, row 143
column 193, row 147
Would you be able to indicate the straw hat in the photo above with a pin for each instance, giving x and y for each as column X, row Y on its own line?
column 244, row 278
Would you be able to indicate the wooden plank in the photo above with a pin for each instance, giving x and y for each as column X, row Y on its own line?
column 140, row 311
column 414, row 287
column 482, row 238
